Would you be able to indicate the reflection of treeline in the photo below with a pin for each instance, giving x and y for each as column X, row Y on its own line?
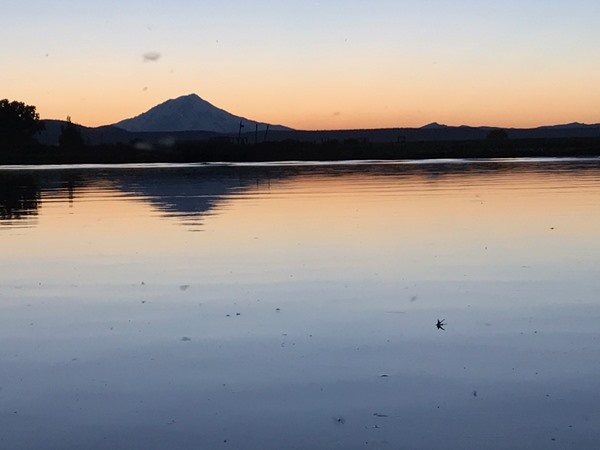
column 21, row 191
column 207, row 151
column 19, row 197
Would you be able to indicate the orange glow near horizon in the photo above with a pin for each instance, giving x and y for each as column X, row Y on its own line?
column 298, row 113
column 346, row 97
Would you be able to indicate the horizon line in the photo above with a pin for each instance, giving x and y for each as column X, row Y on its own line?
column 431, row 126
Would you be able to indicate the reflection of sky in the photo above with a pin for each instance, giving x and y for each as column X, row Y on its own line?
column 426, row 222
column 338, row 276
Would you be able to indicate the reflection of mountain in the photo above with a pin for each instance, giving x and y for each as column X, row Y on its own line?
column 186, row 194
column 189, row 194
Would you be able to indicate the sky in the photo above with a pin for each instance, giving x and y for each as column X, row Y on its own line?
column 333, row 64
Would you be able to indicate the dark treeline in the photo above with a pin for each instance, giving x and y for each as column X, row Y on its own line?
column 207, row 151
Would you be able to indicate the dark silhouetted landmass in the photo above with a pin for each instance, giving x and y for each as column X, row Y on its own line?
column 110, row 144
column 189, row 129
column 227, row 149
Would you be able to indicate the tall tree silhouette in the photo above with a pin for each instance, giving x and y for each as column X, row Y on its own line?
column 18, row 123
column 70, row 135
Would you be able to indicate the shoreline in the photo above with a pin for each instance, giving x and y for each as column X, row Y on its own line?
column 291, row 150
column 292, row 163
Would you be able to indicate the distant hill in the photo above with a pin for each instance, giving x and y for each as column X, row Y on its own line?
column 112, row 134
column 433, row 126
column 190, row 113
column 436, row 132
column 570, row 130
column 95, row 136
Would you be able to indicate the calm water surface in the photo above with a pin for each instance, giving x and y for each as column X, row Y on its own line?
column 294, row 306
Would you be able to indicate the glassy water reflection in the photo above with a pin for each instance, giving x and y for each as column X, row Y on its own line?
column 295, row 306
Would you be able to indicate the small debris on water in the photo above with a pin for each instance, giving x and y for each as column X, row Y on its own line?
column 339, row 420
column 184, row 287
column 186, row 339
column 380, row 415
column 474, row 393
column 385, row 375
column 413, row 299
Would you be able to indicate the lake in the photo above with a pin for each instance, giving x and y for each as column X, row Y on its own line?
column 294, row 306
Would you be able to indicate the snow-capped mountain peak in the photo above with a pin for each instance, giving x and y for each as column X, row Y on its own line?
column 189, row 113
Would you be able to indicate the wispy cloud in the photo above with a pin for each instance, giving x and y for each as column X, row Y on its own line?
column 151, row 56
